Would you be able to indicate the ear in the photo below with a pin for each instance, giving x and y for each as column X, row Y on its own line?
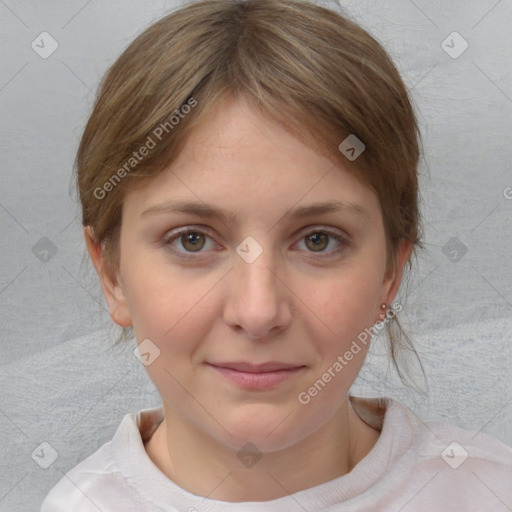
column 112, row 289
column 393, row 277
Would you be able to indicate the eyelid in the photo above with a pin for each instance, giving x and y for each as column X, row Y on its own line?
column 341, row 237
column 195, row 228
column 320, row 228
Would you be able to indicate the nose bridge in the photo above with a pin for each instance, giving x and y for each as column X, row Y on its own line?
column 258, row 300
column 257, row 269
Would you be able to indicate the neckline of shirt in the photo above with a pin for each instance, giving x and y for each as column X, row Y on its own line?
column 353, row 489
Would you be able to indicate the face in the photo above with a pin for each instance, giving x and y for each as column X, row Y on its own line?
column 270, row 283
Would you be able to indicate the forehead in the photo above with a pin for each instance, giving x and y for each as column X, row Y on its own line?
column 239, row 159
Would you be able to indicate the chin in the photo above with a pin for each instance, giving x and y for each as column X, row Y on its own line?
column 269, row 427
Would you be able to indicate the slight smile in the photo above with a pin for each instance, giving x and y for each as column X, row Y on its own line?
column 257, row 376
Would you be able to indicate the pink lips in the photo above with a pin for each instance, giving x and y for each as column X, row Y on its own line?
column 260, row 376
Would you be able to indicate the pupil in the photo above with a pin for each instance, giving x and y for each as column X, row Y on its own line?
column 193, row 241
column 317, row 239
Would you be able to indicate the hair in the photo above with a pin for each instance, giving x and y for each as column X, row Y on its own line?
column 315, row 71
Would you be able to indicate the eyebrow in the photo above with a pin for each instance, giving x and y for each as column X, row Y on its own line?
column 205, row 210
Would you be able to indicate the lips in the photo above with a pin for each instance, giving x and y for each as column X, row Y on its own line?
column 256, row 377
column 257, row 368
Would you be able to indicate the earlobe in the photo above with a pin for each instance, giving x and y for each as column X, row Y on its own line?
column 392, row 282
column 112, row 288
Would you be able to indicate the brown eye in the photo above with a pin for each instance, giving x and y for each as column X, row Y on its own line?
column 324, row 243
column 317, row 241
column 189, row 242
column 192, row 241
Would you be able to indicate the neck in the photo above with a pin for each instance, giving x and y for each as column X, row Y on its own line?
column 203, row 466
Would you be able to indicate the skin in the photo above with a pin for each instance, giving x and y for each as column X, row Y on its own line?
column 297, row 302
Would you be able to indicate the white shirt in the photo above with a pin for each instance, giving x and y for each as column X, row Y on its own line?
column 413, row 467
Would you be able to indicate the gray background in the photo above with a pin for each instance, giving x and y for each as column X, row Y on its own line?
column 64, row 383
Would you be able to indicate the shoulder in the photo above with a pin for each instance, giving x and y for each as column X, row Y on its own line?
column 452, row 468
column 457, row 448
column 80, row 488
column 99, row 482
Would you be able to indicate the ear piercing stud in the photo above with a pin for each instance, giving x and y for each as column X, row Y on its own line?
column 383, row 306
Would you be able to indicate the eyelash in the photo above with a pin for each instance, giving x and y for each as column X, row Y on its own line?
column 167, row 242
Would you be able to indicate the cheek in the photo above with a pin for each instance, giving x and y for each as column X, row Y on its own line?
column 175, row 313
column 345, row 302
column 168, row 307
column 339, row 313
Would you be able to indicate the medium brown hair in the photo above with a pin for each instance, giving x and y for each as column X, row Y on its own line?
column 309, row 67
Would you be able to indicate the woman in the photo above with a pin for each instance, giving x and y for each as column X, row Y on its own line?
column 249, row 188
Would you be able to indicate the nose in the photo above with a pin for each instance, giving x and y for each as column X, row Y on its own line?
column 259, row 301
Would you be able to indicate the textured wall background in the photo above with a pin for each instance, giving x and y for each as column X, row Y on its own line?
column 61, row 380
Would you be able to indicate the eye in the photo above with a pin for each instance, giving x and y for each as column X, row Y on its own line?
column 192, row 240
column 318, row 240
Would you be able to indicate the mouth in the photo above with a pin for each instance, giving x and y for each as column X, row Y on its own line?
column 257, row 376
